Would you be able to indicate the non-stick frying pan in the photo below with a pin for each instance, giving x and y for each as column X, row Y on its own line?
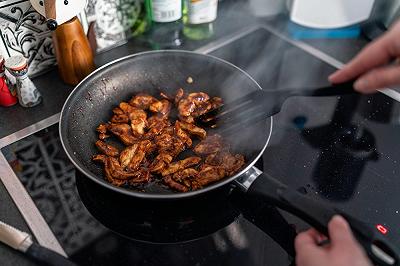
column 92, row 100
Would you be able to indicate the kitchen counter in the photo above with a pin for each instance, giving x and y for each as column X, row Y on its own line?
column 232, row 19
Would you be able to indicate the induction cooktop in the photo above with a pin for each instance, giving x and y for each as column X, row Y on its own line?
column 342, row 150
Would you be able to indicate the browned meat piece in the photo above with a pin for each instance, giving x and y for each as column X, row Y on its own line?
column 186, row 119
column 102, row 128
column 142, row 101
column 156, row 125
column 103, row 136
column 185, row 176
column 234, row 164
column 180, row 165
column 210, row 174
column 126, row 107
column 141, row 176
column 118, row 111
column 162, row 107
column 179, row 95
column 123, row 132
column 144, row 136
column 175, row 185
column 164, row 141
column 186, row 107
column 216, row 102
column 231, row 163
column 192, row 129
column 202, row 108
column 99, row 158
column 182, row 135
column 116, row 170
column 127, row 154
column 137, row 116
column 209, row 145
column 138, row 126
column 122, row 118
column 160, row 162
column 166, row 96
column 194, row 104
column 198, row 97
column 139, row 155
column 107, row 149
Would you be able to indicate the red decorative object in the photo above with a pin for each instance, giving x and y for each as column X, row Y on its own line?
column 7, row 98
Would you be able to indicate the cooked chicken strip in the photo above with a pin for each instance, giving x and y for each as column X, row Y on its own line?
column 141, row 176
column 179, row 95
column 102, row 128
column 107, row 149
column 139, row 155
column 137, row 116
column 123, row 132
column 209, row 145
column 202, row 108
column 186, row 107
column 198, row 97
column 210, row 174
column 122, row 118
column 184, row 137
column 162, row 107
column 166, row 96
column 174, row 185
column 160, row 162
column 127, row 154
column 118, row 111
column 142, row 101
column 192, row 129
column 186, row 119
column 216, row 102
column 185, row 176
column 180, row 165
column 99, row 158
column 231, row 163
column 103, row 136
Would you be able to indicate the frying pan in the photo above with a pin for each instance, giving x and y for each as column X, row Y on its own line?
column 91, row 103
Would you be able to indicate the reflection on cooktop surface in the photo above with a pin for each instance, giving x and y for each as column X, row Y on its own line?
column 339, row 149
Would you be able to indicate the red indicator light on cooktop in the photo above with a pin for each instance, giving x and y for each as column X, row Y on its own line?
column 381, row 229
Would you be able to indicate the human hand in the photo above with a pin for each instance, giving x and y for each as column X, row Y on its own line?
column 343, row 249
column 370, row 66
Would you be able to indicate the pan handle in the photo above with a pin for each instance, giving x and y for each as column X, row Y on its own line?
column 317, row 213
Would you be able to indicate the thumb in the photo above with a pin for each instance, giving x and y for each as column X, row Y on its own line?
column 340, row 232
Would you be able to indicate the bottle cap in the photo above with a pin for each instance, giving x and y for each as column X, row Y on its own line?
column 16, row 62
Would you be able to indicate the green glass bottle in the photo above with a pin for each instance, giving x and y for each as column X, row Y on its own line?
column 141, row 20
column 198, row 17
column 166, row 23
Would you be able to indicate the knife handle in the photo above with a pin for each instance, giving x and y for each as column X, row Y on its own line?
column 47, row 257
column 51, row 14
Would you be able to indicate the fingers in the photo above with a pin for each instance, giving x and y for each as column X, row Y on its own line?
column 306, row 247
column 373, row 55
column 376, row 54
column 339, row 231
column 388, row 76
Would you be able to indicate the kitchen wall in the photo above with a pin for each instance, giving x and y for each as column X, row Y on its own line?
column 23, row 30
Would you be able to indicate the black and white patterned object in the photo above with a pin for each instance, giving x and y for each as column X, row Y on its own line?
column 114, row 20
column 48, row 176
column 24, row 31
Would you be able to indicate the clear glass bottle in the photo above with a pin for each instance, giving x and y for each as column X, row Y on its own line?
column 28, row 94
column 198, row 18
column 166, row 23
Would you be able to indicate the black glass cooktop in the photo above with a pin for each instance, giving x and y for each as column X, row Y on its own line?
column 340, row 149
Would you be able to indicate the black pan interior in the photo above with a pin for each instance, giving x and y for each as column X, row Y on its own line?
column 92, row 101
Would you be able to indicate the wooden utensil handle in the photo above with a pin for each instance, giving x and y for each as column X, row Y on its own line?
column 73, row 52
column 50, row 9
